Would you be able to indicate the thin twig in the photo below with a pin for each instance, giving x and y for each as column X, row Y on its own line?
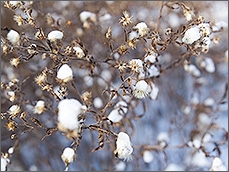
column 160, row 15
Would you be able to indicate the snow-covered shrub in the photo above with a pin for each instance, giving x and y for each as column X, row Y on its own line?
column 114, row 85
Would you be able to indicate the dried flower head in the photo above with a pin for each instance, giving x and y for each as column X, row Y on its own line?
column 124, row 148
column 68, row 50
column 61, row 91
column 11, row 95
column 216, row 40
column 126, row 19
column 155, row 36
column 87, row 97
column 132, row 44
column 142, row 29
column 68, row 156
column 136, row 65
column 151, row 55
column 5, row 48
column 13, row 4
column 147, row 156
column 11, row 126
column 65, row 73
column 168, row 31
column 79, row 52
column 41, row 79
column 192, row 35
column 69, row 113
column 11, row 150
column 39, row 107
column 15, row 61
column 141, row 89
column 123, row 49
column 192, row 69
column 199, row 20
column 14, row 110
column 206, row 64
column 19, row 19
column 32, row 49
column 121, row 65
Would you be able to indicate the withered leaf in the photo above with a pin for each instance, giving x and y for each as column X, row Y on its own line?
column 101, row 141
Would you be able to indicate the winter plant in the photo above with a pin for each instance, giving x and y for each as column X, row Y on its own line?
column 113, row 86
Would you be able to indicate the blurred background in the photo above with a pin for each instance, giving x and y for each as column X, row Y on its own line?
column 174, row 117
